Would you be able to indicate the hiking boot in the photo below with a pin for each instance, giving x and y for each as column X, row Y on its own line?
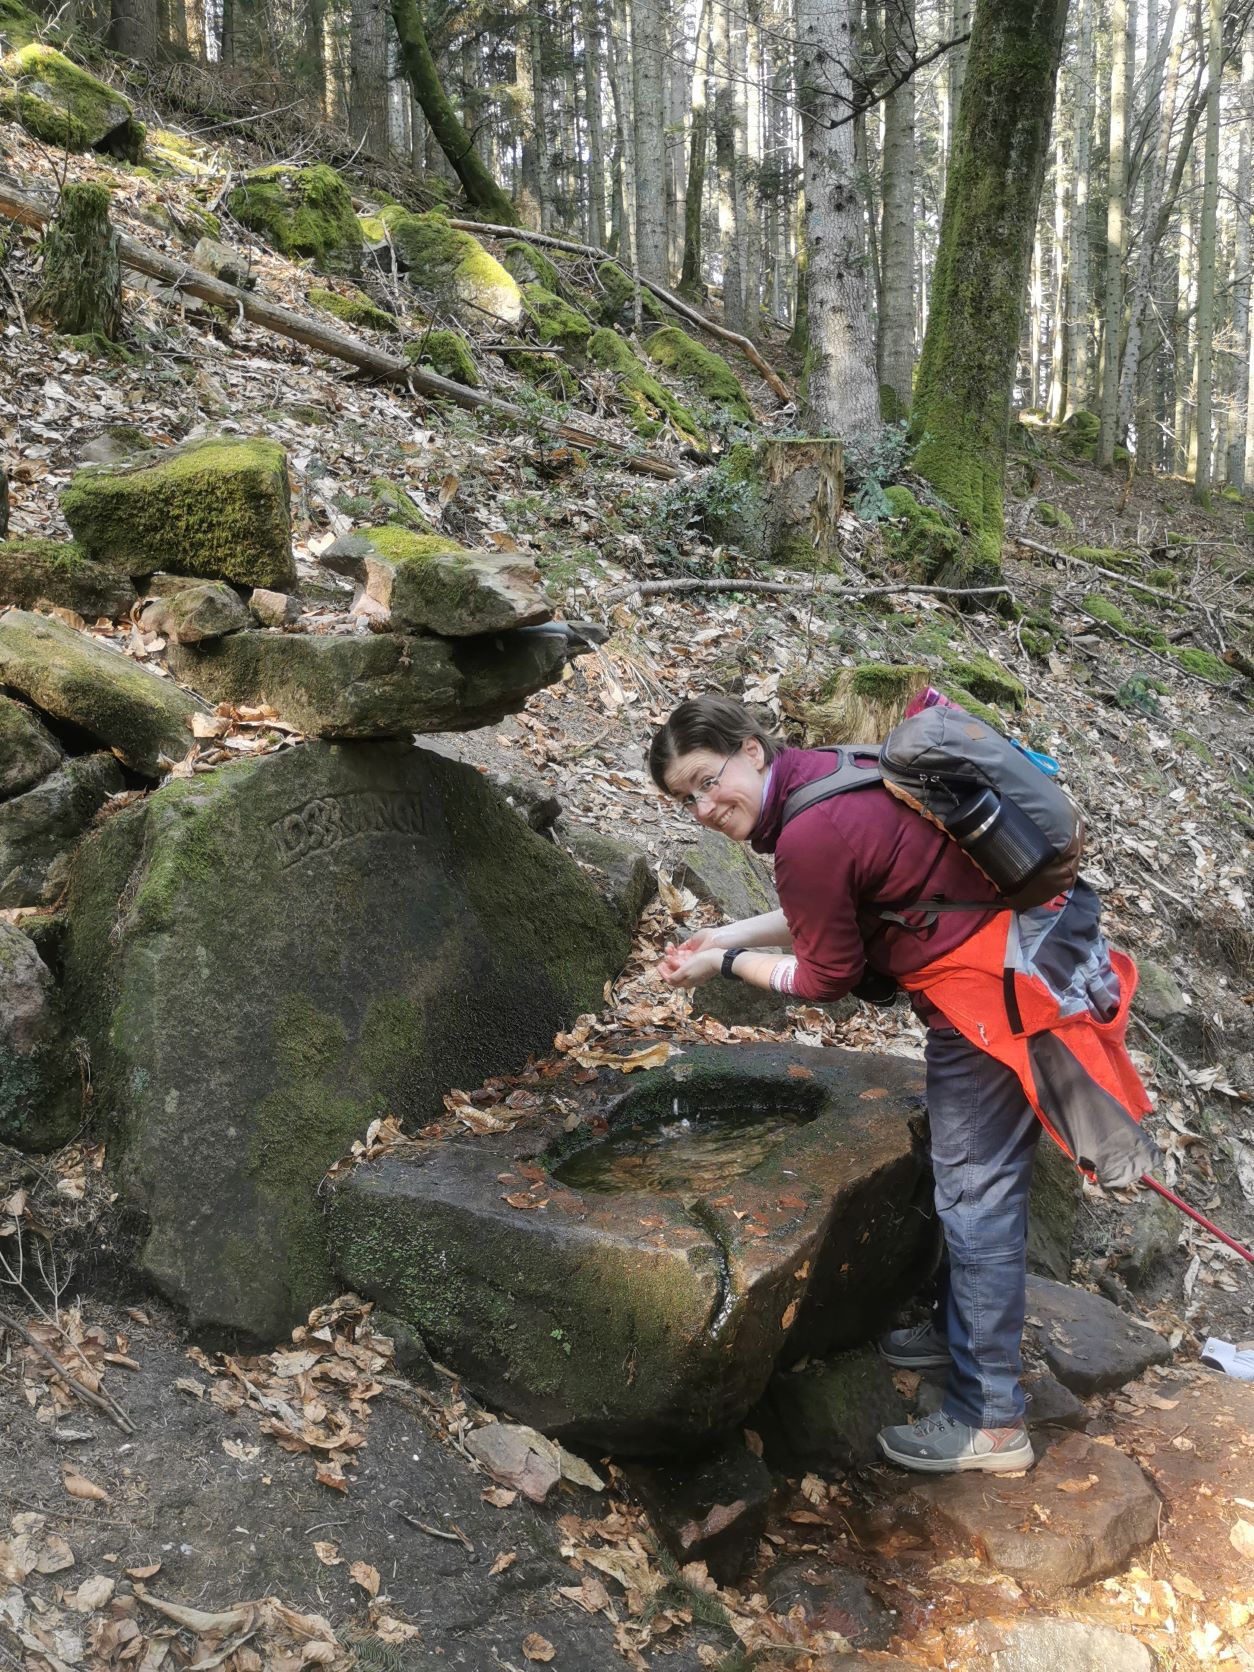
column 940, row 1445
column 919, row 1348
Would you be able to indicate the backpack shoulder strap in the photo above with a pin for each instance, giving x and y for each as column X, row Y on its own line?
column 855, row 769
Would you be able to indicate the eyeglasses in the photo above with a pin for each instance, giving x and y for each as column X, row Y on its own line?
column 706, row 788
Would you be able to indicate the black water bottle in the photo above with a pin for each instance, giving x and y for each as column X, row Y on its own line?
column 1001, row 839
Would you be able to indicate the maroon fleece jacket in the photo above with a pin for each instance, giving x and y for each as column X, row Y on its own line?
column 837, row 859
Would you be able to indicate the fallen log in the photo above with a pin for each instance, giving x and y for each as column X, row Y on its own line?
column 685, row 310
column 812, row 588
column 325, row 339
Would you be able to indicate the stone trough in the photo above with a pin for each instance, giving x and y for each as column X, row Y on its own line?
column 647, row 1314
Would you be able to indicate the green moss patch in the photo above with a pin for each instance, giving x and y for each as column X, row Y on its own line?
column 986, row 680
column 677, row 352
column 924, row 539
column 304, row 213
column 1202, row 663
column 59, row 572
column 60, row 103
column 354, row 309
column 442, row 259
column 529, row 265
column 446, row 353
column 619, row 306
column 1052, row 516
column 650, row 405
column 18, row 23
column 556, row 321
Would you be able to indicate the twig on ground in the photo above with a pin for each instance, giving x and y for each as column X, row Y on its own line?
column 648, row 589
column 1180, row 1063
column 102, row 1402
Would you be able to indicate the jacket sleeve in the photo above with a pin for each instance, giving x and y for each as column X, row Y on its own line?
column 816, row 876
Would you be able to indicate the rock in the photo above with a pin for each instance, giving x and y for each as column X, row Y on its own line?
column 832, row 1598
column 1042, row 1644
column 40, row 1085
column 144, row 719
column 113, row 445
column 453, row 265
column 1052, row 1209
column 306, row 940
column 1094, row 1526
column 1158, row 997
column 712, row 1509
column 678, row 353
column 621, row 871
column 1150, row 1236
column 446, row 353
column 534, row 799
column 274, row 609
column 217, row 509
column 555, row 321
column 28, row 751
column 430, row 585
column 58, row 572
column 410, row 1355
column 635, row 1321
column 70, row 110
column 39, row 829
column 223, row 262
column 302, row 213
column 826, row 1414
column 194, row 614
column 1050, row 1405
column 373, row 684
column 1089, row 1344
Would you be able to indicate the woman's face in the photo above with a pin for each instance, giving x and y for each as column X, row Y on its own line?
column 723, row 792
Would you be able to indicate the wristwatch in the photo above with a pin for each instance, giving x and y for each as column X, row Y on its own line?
column 729, row 958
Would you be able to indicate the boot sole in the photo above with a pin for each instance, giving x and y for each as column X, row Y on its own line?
column 994, row 1463
column 903, row 1361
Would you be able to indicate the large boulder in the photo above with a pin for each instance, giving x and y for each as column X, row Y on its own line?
column 268, row 956
column 376, row 684
column 40, row 829
column 40, row 1084
column 453, row 265
column 28, row 750
column 61, row 104
column 57, row 572
column 648, row 1319
column 218, row 509
column 430, row 584
column 301, row 212
column 144, row 719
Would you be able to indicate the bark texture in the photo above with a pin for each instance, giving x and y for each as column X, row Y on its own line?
column 80, row 290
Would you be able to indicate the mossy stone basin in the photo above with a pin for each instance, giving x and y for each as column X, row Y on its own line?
column 648, row 1319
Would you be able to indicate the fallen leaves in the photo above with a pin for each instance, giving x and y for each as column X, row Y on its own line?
column 78, row 1486
column 538, row 1648
column 361, row 1573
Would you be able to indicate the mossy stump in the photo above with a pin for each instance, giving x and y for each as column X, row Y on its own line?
column 80, row 291
column 855, row 705
column 783, row 501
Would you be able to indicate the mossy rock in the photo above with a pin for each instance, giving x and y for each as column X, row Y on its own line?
column 446, row 353
column 529, row 265
column 431, row 585
column 1202, row 663
column 677, row 352
column 41, row 1086
column 650, row 405
column 18, row 24
column 966, row 699
column 353, row 308
column 217, row 508
column 397, row 506
column 304, row 213
column 1053, row 516
column 61, row 104
column 28, row 750
column 926, row 542
column 1232, row 495
column 619, row 305
column 59, row 572
column 177, row 154
column 546, row 373
column 1078, row 434
column 442, row 259
column 556, row 321
column 986, row 680
column 1109, row 557
column 1110, row 615
column 1167, row 580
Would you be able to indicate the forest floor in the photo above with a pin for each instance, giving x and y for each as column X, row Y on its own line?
column 162, row 1539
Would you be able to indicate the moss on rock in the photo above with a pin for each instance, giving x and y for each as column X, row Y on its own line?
column 619, row 306
column 62, row 104
column 1202, row 663
column 304, row 213
column 926, row 541
column 353, row 308
column 217, row 508
column 1078, row 434
column 556, row 321
column 446, row 353
column 18, row 24
column 59, row 572
column 649, row 404
column 986, row 680
column 440, row 258
column 1053, row 516
column 677, row 352
column 530, row 265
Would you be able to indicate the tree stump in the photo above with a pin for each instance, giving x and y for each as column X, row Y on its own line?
column 80, row 291
column 804, row 485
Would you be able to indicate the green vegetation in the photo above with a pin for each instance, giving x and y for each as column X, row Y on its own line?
column 1202, row 663
column 675, row 351
column 446, row 353
column 986, row 680
column 302, row 213
column 353, row 308
column 927, row 542
column 619, row 307
column 60, row 103
column 556, row 321
column 440, row 258
column 650, row 405
column 529, row 265
column 1052, row 516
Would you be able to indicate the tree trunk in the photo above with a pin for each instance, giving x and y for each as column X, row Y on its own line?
column 691, row 281
column 841, row 394
column 1116, row 227
column 133, row 29
column 1057, row 401
column 961, row 411
column 1206, row 266
column 895, row 342
column 956, row 70
column 80, row 288
column 751, row 267
column 368, row 79
column 591, row 29
column 1078, row 386
column 1245, row 475
column 620, row 79
column 646, row 64
column 725, row 161
column 480, row 188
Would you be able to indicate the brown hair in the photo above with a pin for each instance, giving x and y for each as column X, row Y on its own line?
column 719, row 724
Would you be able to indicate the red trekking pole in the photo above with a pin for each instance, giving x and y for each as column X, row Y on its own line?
column 1179, row 1202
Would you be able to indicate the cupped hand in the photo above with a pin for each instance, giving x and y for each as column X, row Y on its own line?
column 682, row 967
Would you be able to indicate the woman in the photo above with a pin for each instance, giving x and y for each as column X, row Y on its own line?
column 835, row 862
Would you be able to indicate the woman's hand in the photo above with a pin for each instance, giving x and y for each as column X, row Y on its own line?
column 692, row 964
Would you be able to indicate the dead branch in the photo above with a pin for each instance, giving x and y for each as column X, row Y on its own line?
column 102, row 1402
column 1158, row 656
column 1129, row 581
column 813, row 588
column 326, row 339
column 676, row 303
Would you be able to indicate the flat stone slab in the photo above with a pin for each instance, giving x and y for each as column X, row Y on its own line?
column 58, row 572
column 39, row 830
column 1081, row 1513
column 267, row 957
column 646, row 1321
column 144, row 719
column 28, row 750
column 430, row 584
column 1087, row 1342
column 374, row 684
column 1046, row 1645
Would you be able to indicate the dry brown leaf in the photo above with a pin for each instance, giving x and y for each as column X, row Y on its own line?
column 1241, row 1538
column 507, row 1558
column 196, row 1619
column 56, row 1555
column 361, row 1573
column 241, row 1452
column 327, row 1553
column 1078, row 1485
column 790, row 1313
column 498, row 1497
column 78, row 1486
column 93, row 1593
column 330, row 1474
column 143, row 1572
column 536, row 1647
column 448, row 487
column 653, row 1056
